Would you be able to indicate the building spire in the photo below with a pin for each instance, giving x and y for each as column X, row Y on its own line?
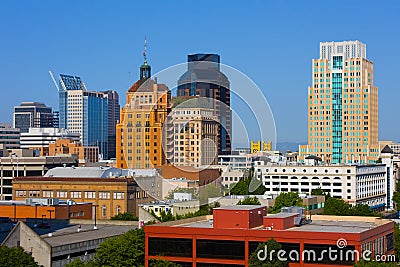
column 145, row 70
column 145, row 50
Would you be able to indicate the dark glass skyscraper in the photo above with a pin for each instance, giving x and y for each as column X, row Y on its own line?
column 33, row 114
column 204, row 79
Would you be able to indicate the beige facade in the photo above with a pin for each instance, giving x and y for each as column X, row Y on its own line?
column 342, row 106
column 195, row 136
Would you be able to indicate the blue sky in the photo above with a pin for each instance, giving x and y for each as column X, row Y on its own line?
column 273, row 42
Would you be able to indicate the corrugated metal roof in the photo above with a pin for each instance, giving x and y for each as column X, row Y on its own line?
column 87, row 172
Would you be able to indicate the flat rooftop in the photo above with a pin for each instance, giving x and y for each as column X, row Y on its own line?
column 240, row 207
column 70, row 234
column 335, row 226
column 328, row 225
column 282, row 215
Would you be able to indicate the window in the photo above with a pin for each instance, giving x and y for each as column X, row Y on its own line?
column 34, row 193
column 104, row 211
column 118, row 210
column 62, row 194
column 119, row 195
column 76, row 194
column 48, row 193
column 20, row 193
column 170, row 247
column 90, row 194
column 104, row 195
column 220, row 249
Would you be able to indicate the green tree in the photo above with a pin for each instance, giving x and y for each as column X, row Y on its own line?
column 336, row 206
column 266, row 248
column 123, row 250
column 241, row 188
column 249, row 186
column 126, row 216
column 15, row 257
column 249, row 201
column 396, row 196
column 162, row 263
column 362, row 210
column 319, row 192
column 78, row 263
column 286, row 200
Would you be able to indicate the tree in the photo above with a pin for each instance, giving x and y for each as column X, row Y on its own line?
column 336, row 206
column 126, row 216
column 79, row 263
column 123, row 250
column 249, row 186
column 162, row 263
column 249, row 201
column 16, row 257
column 240, row 188
column 256, row 258
column 362, row 210
column 287, row 200
column 319, row 192
column 396, row 196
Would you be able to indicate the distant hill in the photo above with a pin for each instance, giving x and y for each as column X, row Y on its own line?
column 292, row 146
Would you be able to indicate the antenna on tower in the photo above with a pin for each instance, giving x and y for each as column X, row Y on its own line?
column 145, row 50
column 54, row 80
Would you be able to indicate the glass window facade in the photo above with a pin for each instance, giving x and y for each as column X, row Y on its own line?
column 178, row 247
column 220, row 249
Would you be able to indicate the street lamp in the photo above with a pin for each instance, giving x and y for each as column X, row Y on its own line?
column 95, row 215
column 36, row 204
column 13, row 154
column 50, row 211
column 43, row 216
column 15, row 212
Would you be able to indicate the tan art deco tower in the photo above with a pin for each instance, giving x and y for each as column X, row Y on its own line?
column 342, row 105
column 140, row 129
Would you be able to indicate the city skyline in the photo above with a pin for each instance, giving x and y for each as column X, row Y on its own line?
column 107, row 46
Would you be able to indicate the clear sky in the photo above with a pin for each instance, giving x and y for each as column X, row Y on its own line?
column 273, row 42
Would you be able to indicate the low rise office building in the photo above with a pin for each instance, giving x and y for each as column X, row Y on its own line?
column 9, row 136
column 109, row 189
column 235, row 232
column 356, row 184
column 22, row 162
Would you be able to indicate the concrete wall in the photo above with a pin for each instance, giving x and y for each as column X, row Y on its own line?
column 25, row 237
column 188, row 220
column 145, row 216
column 104, row 222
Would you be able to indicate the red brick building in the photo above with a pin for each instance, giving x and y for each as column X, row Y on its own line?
column 236, row 231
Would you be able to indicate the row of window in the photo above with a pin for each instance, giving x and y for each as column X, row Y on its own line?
column 73, row 194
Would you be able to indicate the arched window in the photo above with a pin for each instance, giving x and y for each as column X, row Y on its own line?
column 118, row 209
column 104, row 211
